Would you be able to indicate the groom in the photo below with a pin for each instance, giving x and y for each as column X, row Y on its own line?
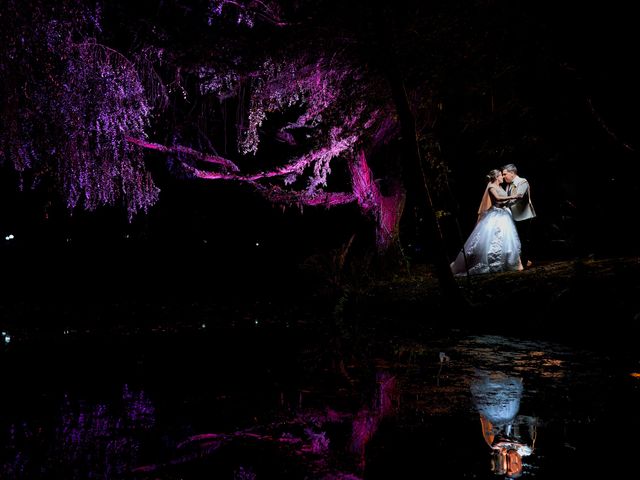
column 521, row 209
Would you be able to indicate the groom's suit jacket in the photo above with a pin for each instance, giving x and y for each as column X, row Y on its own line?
column 522, row 208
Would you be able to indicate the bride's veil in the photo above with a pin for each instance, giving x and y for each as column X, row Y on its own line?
column 485, row 203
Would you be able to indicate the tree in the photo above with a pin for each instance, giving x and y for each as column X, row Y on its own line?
column 67, row 103
column 77, row 112
column 291, row 97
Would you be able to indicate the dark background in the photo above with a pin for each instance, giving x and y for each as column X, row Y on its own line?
column 564, row 111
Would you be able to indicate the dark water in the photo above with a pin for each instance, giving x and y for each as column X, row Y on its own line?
column 253, row 401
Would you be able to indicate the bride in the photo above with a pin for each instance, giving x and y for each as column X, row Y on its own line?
column 493, row 245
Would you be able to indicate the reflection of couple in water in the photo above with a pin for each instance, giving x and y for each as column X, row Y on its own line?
column 497, row 399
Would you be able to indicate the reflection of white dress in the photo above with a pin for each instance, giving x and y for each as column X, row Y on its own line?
column 497, row 397
column 493, row 245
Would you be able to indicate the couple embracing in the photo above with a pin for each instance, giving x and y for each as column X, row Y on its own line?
column 499, row 241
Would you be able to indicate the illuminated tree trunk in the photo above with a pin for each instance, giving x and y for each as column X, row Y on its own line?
column 386, row 208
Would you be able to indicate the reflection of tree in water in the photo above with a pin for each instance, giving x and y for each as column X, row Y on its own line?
column 322, row 444
column 367, row 421
column 91, row 440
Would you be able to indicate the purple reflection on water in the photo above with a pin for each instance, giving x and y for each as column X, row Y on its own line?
column 367, row 420
column 90, row 440
column 115, row 438
column 312, row 442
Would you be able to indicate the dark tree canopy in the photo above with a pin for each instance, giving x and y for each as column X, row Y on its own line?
column 296, row 98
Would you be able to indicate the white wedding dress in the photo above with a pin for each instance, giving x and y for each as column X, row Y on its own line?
column 493, row 246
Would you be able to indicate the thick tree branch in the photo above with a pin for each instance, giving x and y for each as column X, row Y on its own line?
column 296, row 167
column 272, row 192
column 186, row 150
column 318, row 199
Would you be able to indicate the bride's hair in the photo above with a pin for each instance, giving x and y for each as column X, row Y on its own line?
column 492, row 175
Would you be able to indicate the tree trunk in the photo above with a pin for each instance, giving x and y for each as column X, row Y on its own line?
column 416, row 181
column 413, row 171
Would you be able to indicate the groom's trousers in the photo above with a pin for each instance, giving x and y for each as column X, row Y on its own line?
column 524, row 232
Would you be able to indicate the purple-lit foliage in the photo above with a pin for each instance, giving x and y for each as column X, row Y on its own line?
column 336, row 110
column 338, row 113
column 104, row 102
column 247, row 11
column 309, row 117
column 67, row 105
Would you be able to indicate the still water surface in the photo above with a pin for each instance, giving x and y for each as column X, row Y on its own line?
column 252, row 403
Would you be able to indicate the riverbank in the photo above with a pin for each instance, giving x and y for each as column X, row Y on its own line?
column 143, row 292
